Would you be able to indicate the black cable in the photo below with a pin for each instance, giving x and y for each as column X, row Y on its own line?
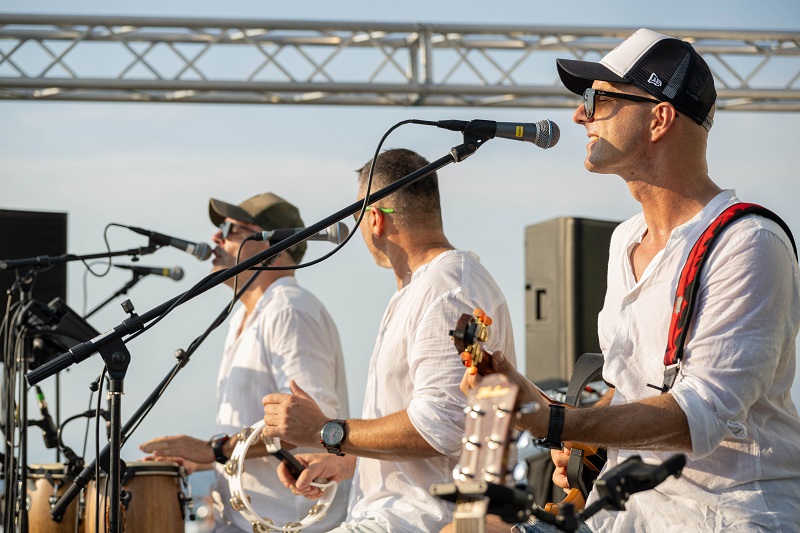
column 108, row 249
column 194, row 289
column 363, row 207
column 97, row 454
column 193, row 346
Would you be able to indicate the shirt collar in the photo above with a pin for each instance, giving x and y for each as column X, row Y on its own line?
column 438, row 259
column 285, row 281
column 703, row 218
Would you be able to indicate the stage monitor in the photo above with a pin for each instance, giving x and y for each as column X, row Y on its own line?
column 566, row 260
column 26, row 234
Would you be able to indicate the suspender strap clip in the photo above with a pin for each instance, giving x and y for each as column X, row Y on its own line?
column 670, row 375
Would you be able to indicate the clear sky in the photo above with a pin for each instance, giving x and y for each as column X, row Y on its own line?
column 156, row 165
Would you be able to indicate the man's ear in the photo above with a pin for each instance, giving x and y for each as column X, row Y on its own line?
column 377, row 222
column 664, row 117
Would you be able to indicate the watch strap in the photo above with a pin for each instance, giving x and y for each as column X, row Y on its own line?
column 216, row 445
column 554, row 428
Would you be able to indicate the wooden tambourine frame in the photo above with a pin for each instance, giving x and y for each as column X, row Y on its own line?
column 241, row 502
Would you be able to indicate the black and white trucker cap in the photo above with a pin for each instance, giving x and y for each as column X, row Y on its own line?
column 665, row 67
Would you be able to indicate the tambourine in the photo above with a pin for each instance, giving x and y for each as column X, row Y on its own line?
column 241, row 501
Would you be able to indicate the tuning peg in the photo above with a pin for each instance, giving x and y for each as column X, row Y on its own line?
column 472, row 443
column 494, row 441
column 501, row 411
column 473, row 411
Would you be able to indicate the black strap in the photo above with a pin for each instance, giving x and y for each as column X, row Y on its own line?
column 554, row 428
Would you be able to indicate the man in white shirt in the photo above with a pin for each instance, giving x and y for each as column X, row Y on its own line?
column 648, row 107
column 280, row 334
column 412, row 422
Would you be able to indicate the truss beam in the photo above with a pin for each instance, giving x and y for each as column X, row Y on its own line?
column 151, row 59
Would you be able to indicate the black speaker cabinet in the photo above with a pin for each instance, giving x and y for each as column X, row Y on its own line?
column 29, row 234
column 566, row 261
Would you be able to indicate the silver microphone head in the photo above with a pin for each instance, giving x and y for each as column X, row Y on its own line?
column 176, row 273
column 202, row 251
column 338, row 232
column 549, row 134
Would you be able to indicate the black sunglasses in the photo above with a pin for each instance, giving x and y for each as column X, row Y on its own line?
column 590, row 95
column 227, row 228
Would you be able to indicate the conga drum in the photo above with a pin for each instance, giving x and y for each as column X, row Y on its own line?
column 153, row 502
column 46, row 484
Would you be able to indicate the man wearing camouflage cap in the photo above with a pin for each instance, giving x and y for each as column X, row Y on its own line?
column 281, row 333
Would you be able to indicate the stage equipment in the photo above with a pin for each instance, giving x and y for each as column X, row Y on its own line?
column 566, row 260
column 112, row 347
column 200, row 250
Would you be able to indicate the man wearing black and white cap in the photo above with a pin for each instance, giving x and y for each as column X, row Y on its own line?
column 280, row 334
column 648, row 108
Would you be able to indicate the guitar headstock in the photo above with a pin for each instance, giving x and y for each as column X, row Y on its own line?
column 491, row 411
column 469, row 336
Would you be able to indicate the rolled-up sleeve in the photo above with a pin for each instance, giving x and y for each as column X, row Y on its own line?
column 437, row 406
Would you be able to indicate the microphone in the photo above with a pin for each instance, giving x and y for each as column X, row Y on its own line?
column 543, row 134
column 200, row 250
column 336, row 234
column 49, row 429
column 175, row 273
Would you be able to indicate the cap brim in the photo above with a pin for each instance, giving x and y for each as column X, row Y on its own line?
column 577, row 76
column 218, row 211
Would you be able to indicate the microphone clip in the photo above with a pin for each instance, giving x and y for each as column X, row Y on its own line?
column 474, row 138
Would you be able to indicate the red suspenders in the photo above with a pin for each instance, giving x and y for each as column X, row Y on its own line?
column 688, row 285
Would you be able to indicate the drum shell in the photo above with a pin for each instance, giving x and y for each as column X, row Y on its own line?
column 155, row 504
column 40, row 489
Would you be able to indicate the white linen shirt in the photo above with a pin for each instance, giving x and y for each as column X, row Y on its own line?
column 415, row 367
column 289, row 335
column 743, row 473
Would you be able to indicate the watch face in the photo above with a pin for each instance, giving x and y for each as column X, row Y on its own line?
column 218, row 437
column 332, row 434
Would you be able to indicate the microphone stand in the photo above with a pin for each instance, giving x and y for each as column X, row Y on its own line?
column 123, row 290
column 18, row 490
column 615, row 487
column 14, row 489
column 136, row 323
column 87, row 474
column 47, row 261
column 112, row 348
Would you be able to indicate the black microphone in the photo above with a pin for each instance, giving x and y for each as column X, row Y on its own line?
column 200, row 250
column 543, row 134
column 335, row 234
column 49, row 429
column 175, row 273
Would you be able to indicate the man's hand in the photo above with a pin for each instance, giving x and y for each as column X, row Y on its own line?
column 497, row 363
column 183, row 446
column 561, row 459
column 190, row 466
column 317, row 465
column 294, row 418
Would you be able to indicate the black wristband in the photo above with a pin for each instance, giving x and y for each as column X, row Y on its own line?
column 217, row 442
column 554, row 427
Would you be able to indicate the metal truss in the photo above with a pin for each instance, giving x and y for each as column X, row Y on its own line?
column 143, row 59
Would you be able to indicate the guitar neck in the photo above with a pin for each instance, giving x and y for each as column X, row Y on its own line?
column 470, row 514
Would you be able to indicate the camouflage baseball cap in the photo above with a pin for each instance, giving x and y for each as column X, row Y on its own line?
column 267, row 210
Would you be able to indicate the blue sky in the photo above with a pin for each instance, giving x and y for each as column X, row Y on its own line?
column 156, row 165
